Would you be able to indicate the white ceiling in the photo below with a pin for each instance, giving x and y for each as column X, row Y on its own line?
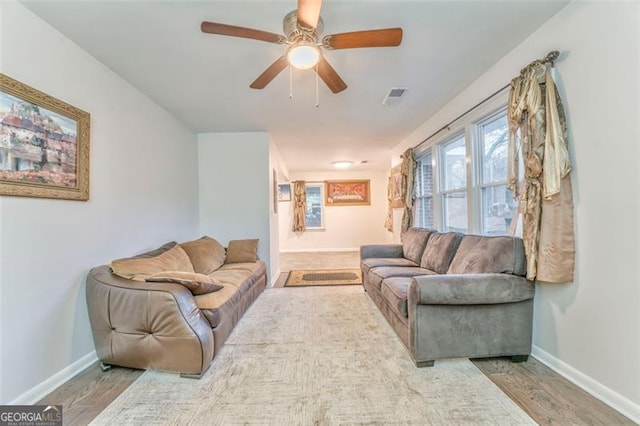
column 203, row 79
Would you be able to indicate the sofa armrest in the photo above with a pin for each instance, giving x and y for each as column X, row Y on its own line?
column 147, row 324
column 469, row 289
column 381, row 251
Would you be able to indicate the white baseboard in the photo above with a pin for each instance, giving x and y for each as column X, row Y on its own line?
column 43, row 389
column 588, row 384
column 274, row 278
column 313, row 250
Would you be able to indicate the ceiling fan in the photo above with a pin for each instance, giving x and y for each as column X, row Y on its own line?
column 303, row 30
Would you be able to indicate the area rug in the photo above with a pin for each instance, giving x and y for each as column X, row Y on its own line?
column 324, row 277
column 316, row 356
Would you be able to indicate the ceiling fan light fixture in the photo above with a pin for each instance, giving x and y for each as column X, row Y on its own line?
column 303, row 55
column 342, row 164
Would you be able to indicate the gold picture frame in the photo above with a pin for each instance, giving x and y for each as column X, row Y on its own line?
column 44, row 144
column 347, row 193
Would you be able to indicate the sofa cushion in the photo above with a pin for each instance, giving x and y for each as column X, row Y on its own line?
column 376, row 275
column 196, row 283
column 439, row 251
column 394, row 290
column 206, row 254
column 236, row 273
column 413, row 242
column 484, row 255
column 236, row 280
column 241, row 251
column 375, row 262
column 140, row 267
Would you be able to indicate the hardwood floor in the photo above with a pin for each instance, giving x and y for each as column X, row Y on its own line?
column 87, row 394
column 547, row 397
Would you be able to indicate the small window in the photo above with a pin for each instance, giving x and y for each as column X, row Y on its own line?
column 314, row 218
column 454, row 185
column 498, row 206
column 423, row 216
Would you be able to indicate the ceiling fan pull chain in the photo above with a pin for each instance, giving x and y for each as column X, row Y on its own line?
column 317, row 91
column 290, row 82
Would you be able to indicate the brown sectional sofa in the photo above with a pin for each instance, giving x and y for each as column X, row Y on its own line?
column 163, row 325
column 451, row 295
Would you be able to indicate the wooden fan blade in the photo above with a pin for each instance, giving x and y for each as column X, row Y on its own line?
column 270, row 73
column 330, row 76
column 386, row 37
column 308, row 13
column 233, row 31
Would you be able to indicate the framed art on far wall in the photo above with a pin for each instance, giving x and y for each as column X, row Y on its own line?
column 347, row 193
column 284, row 192
column 44, row 144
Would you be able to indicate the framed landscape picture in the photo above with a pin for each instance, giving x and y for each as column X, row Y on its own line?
column 284, row 192
column 347, row 193
column 44, row 144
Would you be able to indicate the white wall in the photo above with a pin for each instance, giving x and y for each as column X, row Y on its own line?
column 234, row 186
column 282, row 175
column 346, row 227
column 143, row 194
column 588, row 329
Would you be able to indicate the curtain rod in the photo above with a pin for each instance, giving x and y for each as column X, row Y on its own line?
column 550, row 58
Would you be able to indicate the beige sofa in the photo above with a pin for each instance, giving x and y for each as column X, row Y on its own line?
column 143, row 319
column 449, row 295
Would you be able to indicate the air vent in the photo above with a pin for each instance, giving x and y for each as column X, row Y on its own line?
column 394, row 96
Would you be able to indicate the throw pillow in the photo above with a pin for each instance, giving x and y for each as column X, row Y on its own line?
column 240, row 251
column 206, row 254
column 196, row 283
column 139, row 268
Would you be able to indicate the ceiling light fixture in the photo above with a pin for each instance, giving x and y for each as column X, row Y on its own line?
column 303, row 55
column 342, row 164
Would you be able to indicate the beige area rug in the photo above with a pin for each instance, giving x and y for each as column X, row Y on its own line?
column 316, row 356
column 324, row 277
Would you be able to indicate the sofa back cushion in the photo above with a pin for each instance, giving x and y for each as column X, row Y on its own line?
column 439, row 251
column 241, row 251
column 206, row 254
column 413, row 242
column 141, row 267
column 485, row 255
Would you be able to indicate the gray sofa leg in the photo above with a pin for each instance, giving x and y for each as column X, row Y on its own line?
column 194, row 376
column 421, row 364
column 104, row 367
column 519, row 358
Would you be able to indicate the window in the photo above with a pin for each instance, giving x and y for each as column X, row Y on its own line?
column 461, row 178
column 453, row 191
column 497, row 203
column 424, row 193
column 314, row 218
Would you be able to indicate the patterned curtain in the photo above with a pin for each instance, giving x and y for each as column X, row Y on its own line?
column 408, row 172
column 538, row 146
column 388, row 222
column 299, row 206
